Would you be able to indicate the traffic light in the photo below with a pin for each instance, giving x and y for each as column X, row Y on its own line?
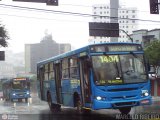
column 2, row 55
column 52, row 2
column 154, row 7
column 48, row 2
column 39, row 1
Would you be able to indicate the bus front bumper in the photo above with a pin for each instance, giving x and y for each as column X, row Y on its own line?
column 20, row 96
column 101, row 104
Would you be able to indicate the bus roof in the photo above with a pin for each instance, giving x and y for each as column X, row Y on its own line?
column 82, row 49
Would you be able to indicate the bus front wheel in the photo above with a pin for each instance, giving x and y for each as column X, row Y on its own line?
column 82, row 110
column 20, row 100
column 125, row 110
column 53, row 107
column 26, row 100
column 79, row 106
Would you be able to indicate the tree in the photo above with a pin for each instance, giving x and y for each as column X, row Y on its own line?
column 152, row 52
column 3, row 36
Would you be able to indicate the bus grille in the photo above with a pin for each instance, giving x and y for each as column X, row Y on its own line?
column 122, row 97
column 121, row 104
column 21, row 93
column 122, row 89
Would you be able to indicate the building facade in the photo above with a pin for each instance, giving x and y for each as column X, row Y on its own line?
column 45, row 49
column 145, row 36
column 13, row 64
column 7, row 70
column 126, row 16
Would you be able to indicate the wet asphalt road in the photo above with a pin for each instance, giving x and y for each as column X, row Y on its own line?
column 38, row 110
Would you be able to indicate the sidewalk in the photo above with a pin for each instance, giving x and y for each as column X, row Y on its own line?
column 155, row 98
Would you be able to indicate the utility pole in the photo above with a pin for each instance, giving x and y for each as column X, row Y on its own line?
column 114, row 5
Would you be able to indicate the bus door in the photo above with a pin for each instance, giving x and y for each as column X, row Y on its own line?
column 58, row 81
column 41, row 77
column 85, row 81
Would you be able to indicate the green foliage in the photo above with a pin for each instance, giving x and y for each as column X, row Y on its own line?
column 152, row 51
column 3, row 36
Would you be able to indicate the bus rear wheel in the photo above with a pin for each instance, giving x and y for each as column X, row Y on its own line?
column 53, row 107
column 125, row 110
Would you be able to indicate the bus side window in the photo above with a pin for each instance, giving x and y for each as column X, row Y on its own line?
column 86, row 72
column 65, row 68
column 46, row 74
column 73, row 68
column 51, row 71
column 41, row 73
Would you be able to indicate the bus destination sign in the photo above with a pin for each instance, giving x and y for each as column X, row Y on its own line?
column 116, row 48
column 19, row 79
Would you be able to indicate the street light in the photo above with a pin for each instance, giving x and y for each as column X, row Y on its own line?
column 127, row 35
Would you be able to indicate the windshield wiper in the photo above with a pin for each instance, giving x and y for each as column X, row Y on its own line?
column 136, row 56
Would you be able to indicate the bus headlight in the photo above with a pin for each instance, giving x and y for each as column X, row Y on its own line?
column 27, row 93
column 99, row 98
column 14, row 94
column 145, row 93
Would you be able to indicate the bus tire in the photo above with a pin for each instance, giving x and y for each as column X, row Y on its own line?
column 5, row 99
column 81, row 110
column 125, row 110
column 78, row 104
column 79, row 107
column 20, row 100
column 54, row 108
column 26, row 100
column 86, row 111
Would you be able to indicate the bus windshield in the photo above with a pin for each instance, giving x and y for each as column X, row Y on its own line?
column 119, row 69
column 19, row 85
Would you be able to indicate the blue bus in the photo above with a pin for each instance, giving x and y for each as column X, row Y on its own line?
column 1, row 92
column 16, row 88
column 94, row 77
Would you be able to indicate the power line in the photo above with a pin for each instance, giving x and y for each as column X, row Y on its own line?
column 41, row 18
column 46, row 10
column 106, row 8
column 98, row 7
column 73, row 13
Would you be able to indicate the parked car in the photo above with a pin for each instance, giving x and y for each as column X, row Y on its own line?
column 152, row 73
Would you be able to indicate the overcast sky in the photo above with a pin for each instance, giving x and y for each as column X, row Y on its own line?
column 27, row 26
